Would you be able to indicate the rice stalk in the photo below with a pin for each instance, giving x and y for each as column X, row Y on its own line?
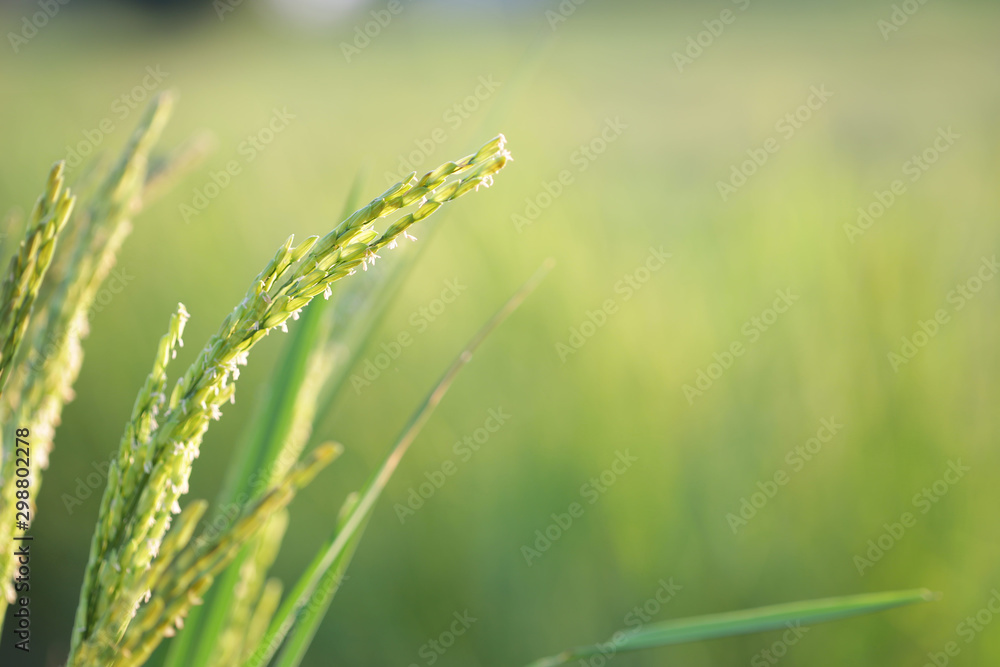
column 163, row 438
column 29, row 266
column 41, row 384
column 177, row 581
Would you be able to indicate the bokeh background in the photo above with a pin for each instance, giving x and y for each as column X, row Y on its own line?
column 555, row 87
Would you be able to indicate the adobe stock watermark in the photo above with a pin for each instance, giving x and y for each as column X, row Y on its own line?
column 365, row 33
column 114, row 284
column 248, row 150
column 591, row 491
column 581, row 158
column 256, row 485
column 634, row 621
column 752, row 330
column 432, row 650
column 785, row 127
column 967, row 630
column 700, row 42
column 453, row 118
column 463, row 450
column 624, row 290
column 419, row 320
column 796, row 459
column 957, row 299
column 913, row 169
column 562, row 12
column 922, row 501
column 773, row 654
column 223, row 7
column 86, row 485
column 898, row 17
column 121, row 107
column 30, row 25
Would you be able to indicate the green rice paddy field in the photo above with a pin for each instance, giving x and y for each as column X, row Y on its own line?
column 765, row 366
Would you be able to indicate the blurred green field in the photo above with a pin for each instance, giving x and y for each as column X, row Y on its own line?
column 654, row 185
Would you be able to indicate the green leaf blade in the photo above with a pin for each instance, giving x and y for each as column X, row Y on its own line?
column 748, row 621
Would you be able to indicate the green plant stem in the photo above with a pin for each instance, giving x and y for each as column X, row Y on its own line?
column 330, row 556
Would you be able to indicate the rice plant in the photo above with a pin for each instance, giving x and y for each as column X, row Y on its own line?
column 154, row 563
